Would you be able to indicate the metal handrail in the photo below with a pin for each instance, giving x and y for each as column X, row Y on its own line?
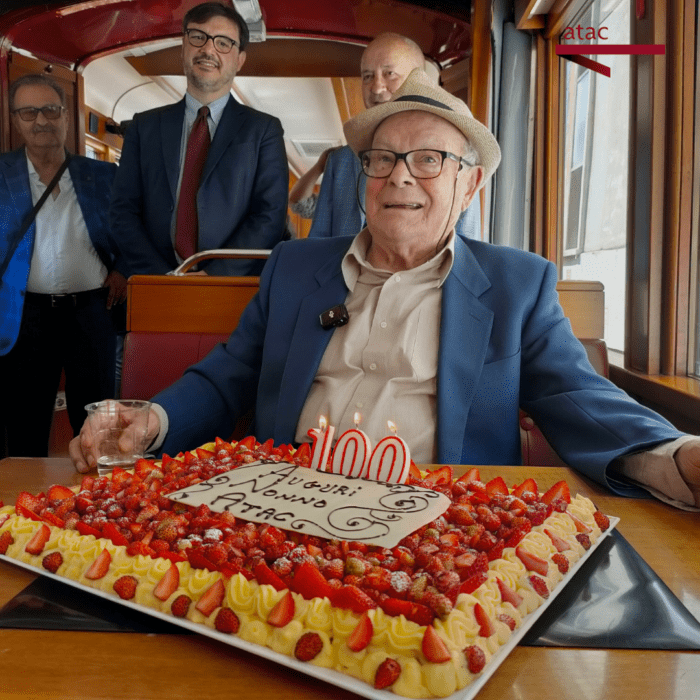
column 222, row 253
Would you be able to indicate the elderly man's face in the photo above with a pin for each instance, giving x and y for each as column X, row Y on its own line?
column 209, row 72
column 386, row 63
column 41, row 133
column 402, row 209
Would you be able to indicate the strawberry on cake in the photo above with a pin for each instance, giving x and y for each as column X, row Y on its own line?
column 422, row 618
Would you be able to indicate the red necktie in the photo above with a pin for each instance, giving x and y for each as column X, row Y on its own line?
column 197, row 147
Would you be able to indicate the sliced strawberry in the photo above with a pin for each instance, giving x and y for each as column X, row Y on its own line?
column 434, row 648
column 361, row 636
column 6, row 540
column 414, row 472
column 125, row 587
column 172, row 556
column 471, row 476
column 204, row 454
column 84, row 529
column 584, row 540
column 28, row 501
column 59, row 493
column 532, row 562
column 265, row 450
column 601, row 520
column 351, row 598
column 470, row 584
column 211, row 598
column 302, row 456
column 486, row 625
column 508, row 595
column 529, row 486
column 198, row 560
column 111, row 531
column 415, row 612
column 560, row 544
column 387, row 673
column 309, row 646
column 560, row 490
column 100, row 566
column 580, row 525
column 476, row 659
column 144, row 466
column 4, row 518
column 265, row 575
column 168, row 584
column 247, row 443
column 497, row 486
column 87, row 483
column 26, row 513
column 140, row 547
column 39, row 540
column 283, row 612
column 442, row 475
column 52, row 519
column 310, row 582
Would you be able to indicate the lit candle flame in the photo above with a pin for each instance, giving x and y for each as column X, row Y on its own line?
column 322, row 423
column 392, row 426
column 357, row 417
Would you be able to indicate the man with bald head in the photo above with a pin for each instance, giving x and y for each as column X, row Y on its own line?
column 339, row 208
column 445, row 336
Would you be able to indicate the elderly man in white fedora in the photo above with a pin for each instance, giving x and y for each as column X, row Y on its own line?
column 445, row 336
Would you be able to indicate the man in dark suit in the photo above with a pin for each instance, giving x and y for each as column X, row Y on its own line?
column 241, row 198
column 60, row 280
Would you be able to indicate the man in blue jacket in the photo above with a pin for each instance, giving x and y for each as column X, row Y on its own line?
column 240, row 197
column 60, row 281
column 447, row 337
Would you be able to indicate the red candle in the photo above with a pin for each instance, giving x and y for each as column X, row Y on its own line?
column 322, row 439
column 391, row 459
column 352, row 452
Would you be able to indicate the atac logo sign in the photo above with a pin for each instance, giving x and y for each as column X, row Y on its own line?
column 578, row 52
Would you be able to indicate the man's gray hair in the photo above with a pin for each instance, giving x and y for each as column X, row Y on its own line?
column 470, row 153
column 36, row 79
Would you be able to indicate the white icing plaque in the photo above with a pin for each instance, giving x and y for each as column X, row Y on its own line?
column 318, row 503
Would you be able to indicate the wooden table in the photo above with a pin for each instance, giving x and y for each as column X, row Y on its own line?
column 154, row 667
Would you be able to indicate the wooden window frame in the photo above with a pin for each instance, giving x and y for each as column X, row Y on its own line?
column 664, row 210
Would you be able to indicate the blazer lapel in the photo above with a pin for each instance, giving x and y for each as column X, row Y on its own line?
column 307, row 346
column 230, row 124
column 464, row 337
column 171, row 121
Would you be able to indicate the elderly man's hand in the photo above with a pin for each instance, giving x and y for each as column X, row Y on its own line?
column 688, row 461
column 82, row 449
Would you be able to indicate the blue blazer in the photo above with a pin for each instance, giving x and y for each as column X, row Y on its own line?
column 504, row 343
column 337, row 210
column 92, row 180
column 242, row 199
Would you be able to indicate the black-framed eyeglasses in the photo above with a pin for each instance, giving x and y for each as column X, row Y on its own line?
column 423, row 164
column 198, row 38
column 29, row 114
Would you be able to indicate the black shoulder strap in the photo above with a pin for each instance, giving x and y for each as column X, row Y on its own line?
column 32, row 215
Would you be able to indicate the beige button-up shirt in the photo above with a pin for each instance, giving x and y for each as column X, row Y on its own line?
column 383, row 363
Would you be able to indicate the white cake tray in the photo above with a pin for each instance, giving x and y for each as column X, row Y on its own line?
column 328, row 675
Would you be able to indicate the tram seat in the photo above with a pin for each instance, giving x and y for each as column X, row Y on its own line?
column 583, row 303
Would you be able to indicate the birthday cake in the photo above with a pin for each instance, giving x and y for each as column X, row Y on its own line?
column 421, row 617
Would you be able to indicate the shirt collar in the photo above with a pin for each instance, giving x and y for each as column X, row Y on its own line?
column 355, row 262
column 216, row 107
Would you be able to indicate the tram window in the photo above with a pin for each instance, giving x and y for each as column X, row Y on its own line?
column 595, row 161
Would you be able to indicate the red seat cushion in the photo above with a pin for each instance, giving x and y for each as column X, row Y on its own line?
column 153, row 361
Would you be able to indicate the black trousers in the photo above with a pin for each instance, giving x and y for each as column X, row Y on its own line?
column 74, row 333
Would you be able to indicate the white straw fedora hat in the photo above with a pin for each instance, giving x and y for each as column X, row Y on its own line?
column 419, row 92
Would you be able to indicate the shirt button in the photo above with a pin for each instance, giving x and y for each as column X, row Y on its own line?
column 359, row 404
column 398, row 278
column 373, row 366
column 383, row 324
